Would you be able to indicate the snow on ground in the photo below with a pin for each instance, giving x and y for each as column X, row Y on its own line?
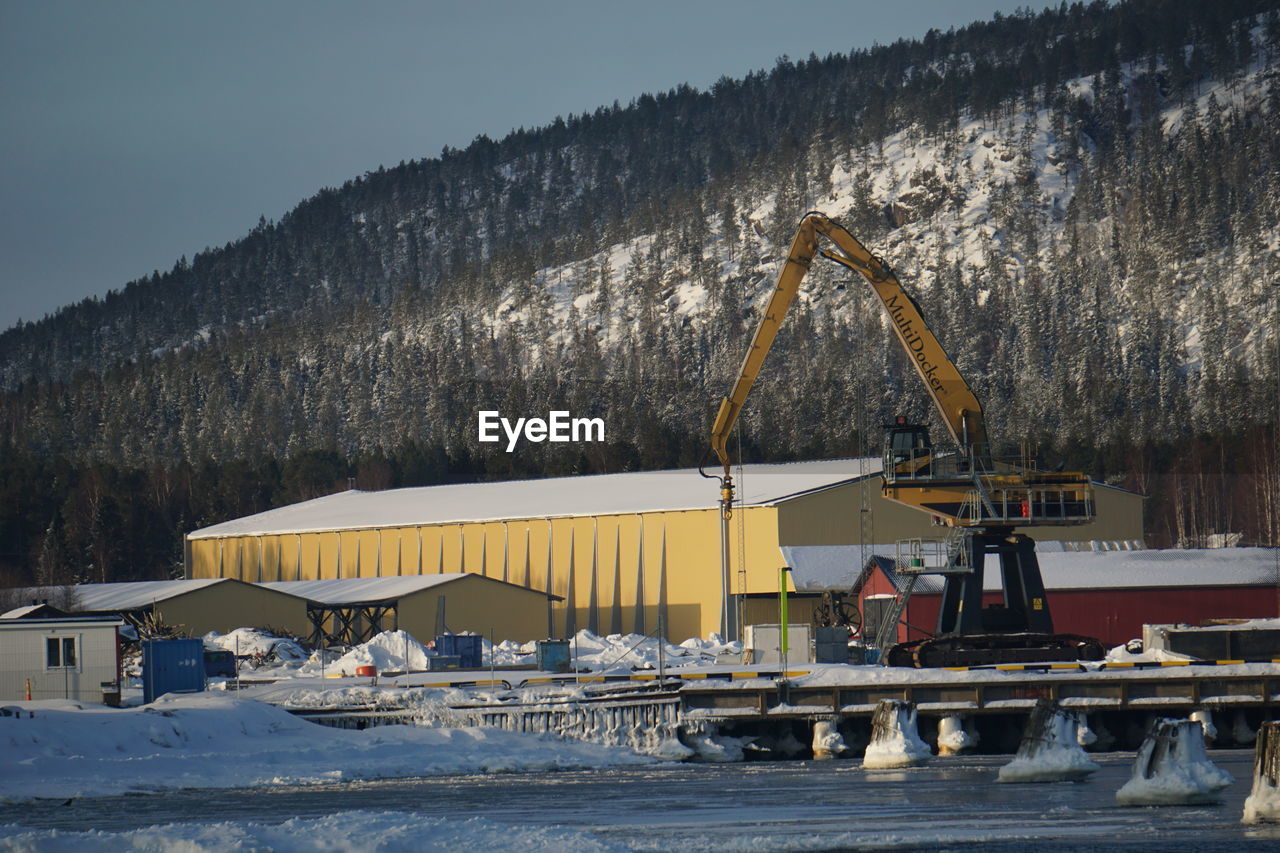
column 65, row 749
column 375, row 832
column 636, row 651
column 1121, row 654
column 387, row 651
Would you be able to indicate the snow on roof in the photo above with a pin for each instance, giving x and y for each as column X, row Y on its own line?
column 353, row 590
column 19, row 612
column 826, row 567
column 1121, row 569
column 104, row 597
column 598, row 494
column 823, row 567
column 96, row 597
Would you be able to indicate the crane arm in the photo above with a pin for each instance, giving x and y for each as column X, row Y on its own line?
column 959, row 406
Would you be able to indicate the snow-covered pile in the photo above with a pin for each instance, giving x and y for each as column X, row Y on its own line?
column 1121, row 654
column 1172, row 768
column 389, row 651
column 1050, row 750
column 375, row 832
column 213, row 741
column 257, row 645
column 509, row 653
column 895, row 739
column 636, row 651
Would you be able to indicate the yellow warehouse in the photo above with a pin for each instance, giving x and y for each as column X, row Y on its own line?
column 619, row 549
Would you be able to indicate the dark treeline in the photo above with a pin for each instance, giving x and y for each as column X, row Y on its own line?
column 1115, row 309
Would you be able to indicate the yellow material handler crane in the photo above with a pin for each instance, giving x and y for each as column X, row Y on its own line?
column 982, row 499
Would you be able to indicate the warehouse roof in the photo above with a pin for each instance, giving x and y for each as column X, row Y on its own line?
column 133, row 595
column 126, row 596
column 365, row 590
column 833, row 567
column 598, row 494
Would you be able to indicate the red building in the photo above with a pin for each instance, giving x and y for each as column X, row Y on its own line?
column 1105, row 594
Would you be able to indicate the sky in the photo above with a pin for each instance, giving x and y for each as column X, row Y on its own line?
column 136, row 133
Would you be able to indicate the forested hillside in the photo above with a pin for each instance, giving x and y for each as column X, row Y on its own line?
column 1085, row 202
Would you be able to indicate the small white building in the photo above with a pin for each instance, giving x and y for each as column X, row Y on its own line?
column 64, row 657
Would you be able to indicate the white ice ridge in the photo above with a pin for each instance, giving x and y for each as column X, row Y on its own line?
column 1172, row 768
column 895, row 741
column 1050, row 750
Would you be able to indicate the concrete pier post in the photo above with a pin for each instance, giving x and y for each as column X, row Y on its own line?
column 1204, row 717
column 827, row 741
column 953, row 737
column 895, row 739
column 1050, row 750
column 1263, row 803
column 1172, row 768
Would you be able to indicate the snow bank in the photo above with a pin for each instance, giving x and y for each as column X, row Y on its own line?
column 257, row 644
column 1263, row 802
column 217, row 741
column 375, row 832
column 1172, row 768
column 895, row 741
column 1050, row 750
column 636, row 651
column 390, row 650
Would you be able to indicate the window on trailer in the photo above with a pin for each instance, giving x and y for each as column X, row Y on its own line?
column 60, row 653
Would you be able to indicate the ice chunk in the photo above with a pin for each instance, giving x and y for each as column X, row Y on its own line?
column 709, row 745
column 1172, row 768
column 1050, row 750
column 895, row 741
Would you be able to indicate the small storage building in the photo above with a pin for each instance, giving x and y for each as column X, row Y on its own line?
column 350, row 611
column 66, row 657
column 195, row 606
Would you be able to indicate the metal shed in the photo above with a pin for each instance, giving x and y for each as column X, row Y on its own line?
column 350, row 611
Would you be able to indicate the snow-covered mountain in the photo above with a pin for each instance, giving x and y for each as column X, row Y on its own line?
column 1084, row 201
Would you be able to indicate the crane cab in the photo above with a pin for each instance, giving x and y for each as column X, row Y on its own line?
column 907, row 449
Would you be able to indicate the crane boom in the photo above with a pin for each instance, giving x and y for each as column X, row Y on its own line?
column 955, row 401
column 987, row 500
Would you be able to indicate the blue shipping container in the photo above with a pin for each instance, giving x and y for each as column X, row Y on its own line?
column 466, row 646
column 171, row 666
column 553, row 655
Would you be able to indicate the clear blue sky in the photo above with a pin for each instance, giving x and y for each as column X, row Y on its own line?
column 138, row 132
